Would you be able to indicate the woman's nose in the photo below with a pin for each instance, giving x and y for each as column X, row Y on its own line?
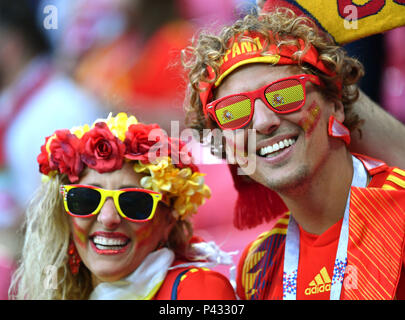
column 264, row 119
column 108, row 215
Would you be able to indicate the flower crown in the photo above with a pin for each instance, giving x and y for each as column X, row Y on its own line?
column 104, row 147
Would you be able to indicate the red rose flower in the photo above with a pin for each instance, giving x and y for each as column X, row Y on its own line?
column 65, row 156
column 137, row 140
column 43, row 159
column 101, row 150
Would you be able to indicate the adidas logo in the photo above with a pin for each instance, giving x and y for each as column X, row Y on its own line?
column 321, row 283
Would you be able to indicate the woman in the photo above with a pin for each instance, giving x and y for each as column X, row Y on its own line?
column 111, row 219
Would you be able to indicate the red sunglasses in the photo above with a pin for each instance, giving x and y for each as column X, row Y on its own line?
column 282, row 96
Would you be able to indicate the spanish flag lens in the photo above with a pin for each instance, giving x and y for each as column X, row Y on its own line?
column 285, row 95
column 233, row 112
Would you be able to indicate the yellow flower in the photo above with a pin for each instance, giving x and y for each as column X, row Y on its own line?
column 119, row 124
column 187, row 189
column 51, row 175
column 48, row 144
column 80, row 130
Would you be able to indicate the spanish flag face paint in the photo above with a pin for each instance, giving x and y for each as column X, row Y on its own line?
column 79, row 234
column 282, row 96
column 311, row 118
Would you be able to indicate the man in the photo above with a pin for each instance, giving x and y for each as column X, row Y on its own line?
column 342, row 235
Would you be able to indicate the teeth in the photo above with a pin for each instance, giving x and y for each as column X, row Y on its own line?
column 276, row 147
column 98, row 240
column 101, row 247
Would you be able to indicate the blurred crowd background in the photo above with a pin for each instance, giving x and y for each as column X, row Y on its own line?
column 69, row 62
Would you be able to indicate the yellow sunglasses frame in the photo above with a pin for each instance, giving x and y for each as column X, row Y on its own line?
column 114, row 194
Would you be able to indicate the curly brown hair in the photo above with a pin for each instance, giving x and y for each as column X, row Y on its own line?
column 208, row 50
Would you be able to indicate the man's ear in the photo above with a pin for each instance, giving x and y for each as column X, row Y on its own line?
column 338, row 111
column 336, row 128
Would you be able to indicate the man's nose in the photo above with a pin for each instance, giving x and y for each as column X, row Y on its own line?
column 264, row 119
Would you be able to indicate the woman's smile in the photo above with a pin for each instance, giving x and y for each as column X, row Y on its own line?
column 109, row 243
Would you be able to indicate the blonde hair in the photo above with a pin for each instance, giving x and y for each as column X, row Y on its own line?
column 209, row 49
column 47, row 236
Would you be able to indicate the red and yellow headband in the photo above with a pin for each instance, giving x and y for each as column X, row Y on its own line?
column 253, row 47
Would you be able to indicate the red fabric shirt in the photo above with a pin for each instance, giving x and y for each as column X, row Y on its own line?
column 315, row 268
column 313, row 282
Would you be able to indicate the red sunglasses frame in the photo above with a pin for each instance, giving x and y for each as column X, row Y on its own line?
column 260, row 94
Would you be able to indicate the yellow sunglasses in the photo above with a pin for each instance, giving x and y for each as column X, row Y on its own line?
column 133, row 204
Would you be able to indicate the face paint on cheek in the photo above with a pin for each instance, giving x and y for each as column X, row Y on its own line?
column 79, row 234
column 310, row 119
column 143, row 234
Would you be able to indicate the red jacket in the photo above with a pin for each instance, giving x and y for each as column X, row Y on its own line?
column 192, row 283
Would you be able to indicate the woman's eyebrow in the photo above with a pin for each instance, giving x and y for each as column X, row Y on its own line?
column 123, row 186
column 127, row 186
column 92, row 184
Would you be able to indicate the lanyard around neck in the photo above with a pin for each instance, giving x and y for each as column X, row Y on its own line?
column 292, row 245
